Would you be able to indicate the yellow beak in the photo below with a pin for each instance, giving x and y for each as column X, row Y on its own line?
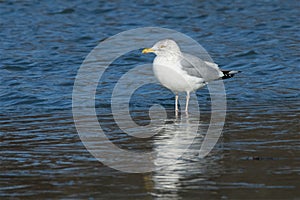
column 148, row 50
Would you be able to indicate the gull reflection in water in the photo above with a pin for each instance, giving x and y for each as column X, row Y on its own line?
column 174, row 141
column 177, row 146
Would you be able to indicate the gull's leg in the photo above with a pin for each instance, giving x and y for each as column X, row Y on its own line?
column 187, row 101
column 176, row 102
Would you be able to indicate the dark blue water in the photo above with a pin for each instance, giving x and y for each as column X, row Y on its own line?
column 43, row 44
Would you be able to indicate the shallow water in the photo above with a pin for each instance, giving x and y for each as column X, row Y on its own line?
column 44, row 44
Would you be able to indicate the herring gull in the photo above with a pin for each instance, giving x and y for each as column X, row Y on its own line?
column 182, row 72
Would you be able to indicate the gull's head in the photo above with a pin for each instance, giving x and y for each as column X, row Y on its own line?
column 164, row 47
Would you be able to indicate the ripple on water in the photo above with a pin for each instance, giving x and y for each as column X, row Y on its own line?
column 43, row 45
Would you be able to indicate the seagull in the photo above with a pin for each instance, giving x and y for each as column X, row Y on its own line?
column 183, row 72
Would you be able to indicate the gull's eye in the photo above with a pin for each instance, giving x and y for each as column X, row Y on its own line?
column 162, row 46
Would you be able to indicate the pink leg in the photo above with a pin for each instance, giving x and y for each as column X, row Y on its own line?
column 187, row 101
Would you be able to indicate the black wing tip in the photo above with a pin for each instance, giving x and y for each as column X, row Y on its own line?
column 229, row 74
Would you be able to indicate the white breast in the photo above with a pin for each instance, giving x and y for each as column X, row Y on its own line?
column 170, row 75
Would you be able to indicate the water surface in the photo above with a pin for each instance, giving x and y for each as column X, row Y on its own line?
column 42, row 47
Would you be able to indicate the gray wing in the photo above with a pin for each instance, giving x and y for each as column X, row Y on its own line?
column 194, row 66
